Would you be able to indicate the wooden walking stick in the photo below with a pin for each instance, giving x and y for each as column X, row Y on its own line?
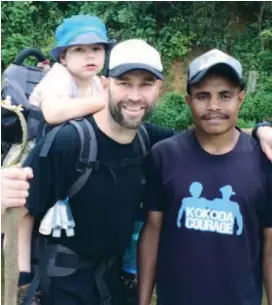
column 11, row 222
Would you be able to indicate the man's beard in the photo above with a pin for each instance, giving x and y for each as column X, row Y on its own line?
column 115, row 110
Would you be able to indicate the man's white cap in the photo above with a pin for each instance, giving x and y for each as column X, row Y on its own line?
column 134, row 54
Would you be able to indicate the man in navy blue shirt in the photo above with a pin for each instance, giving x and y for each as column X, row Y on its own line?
column 208, row 237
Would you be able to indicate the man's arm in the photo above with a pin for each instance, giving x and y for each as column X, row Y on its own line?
column 264, row 134
column 267, row 264
column 147, row 256
column 267, row 225
column 14, row 187
column 153, row 203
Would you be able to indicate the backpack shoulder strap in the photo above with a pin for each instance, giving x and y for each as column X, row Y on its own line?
column 87, row 156
column 144, row 139
column 50, row 136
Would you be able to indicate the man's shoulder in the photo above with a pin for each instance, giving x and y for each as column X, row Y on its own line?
column 251, row 148
column 179, row 141
column 248, row 143
column 157, row 133
column 66, row 138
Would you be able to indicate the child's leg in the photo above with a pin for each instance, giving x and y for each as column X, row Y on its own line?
column 24, row 243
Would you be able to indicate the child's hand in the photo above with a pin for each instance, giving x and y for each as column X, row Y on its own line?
column 102, row 94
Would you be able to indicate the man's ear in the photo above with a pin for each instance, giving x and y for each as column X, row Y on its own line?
column 158, row 91
column 159, row 85
column 188, row 99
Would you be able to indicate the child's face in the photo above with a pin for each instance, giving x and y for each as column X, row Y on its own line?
column 84, row 61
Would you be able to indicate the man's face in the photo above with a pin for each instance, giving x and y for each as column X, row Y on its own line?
column 132, row 97
column 84, row 61
column 215, row 103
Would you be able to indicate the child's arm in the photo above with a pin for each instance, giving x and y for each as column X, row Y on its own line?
column 57, row 110
column 53, row 93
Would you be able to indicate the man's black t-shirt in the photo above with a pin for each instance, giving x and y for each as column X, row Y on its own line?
column 104, row 209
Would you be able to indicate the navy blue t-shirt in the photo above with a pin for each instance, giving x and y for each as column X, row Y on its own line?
column 214, row 210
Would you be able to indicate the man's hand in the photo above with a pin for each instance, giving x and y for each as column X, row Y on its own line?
column 265, row 136
column 14, row 186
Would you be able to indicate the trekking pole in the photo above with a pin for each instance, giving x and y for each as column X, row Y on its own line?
column 11, row 222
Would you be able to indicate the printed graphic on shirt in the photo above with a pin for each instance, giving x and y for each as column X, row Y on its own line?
column 218, row 215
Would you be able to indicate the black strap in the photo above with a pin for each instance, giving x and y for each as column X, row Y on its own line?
column 88, row 154
column 35, row 113
column 67, row 259
column 100, row 271
column 88, row 150
column 49, row 140
column 71, row 260
column 144, row 139
column 82, row 137
column 33, row 287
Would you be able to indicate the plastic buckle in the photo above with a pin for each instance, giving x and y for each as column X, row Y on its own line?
column 106, row 301
column 82, row 165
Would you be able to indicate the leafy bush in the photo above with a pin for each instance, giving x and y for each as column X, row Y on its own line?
column 245, row 124
column 172, row 111
column 258, row 106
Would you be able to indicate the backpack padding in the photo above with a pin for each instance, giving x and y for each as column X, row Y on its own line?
column 25, row 53
column 144, row 139
column 88, row 153
column 26, row 77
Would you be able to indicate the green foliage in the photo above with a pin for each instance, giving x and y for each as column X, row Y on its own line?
column 258, row 106
column 176, row 28
column 245, row 124
column 27, row 24
column 172, row 111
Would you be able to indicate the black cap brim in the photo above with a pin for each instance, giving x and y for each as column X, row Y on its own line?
column 125, row 68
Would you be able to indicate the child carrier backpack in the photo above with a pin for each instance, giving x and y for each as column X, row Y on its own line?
column 19, row 81
column 86, row 163
column 18, row 131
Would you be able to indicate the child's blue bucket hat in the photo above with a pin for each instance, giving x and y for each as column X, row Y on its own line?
column 80, row 30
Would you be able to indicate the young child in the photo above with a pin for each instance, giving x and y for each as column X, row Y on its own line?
column 72, row 88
